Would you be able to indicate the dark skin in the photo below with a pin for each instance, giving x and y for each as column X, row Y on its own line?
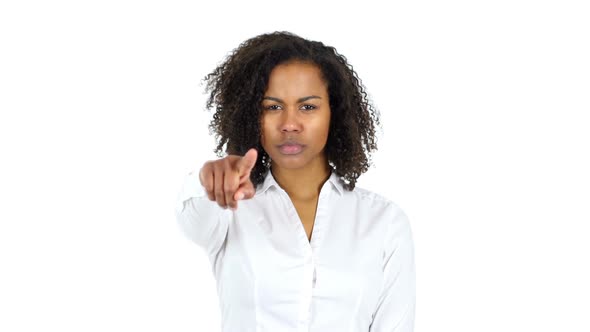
column 235, row 95
column 295, row 109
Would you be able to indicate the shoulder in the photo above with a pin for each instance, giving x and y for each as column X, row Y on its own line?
column 366, row 196
column 386, row 208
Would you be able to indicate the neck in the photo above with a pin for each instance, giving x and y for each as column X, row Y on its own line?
column 302, row 184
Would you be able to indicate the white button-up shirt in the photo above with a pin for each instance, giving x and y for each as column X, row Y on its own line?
column 357, row 273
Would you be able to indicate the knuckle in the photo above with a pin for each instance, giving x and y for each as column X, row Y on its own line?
column 227, row 196
column 226, row 162
column 219, row 194
column 229, row 187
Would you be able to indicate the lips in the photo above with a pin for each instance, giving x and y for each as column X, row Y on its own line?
column 291, row 148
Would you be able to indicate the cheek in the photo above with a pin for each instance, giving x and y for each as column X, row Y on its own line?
column 264, row 131
column 324, row 127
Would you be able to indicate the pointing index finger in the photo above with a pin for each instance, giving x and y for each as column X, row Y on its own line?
column 247, row 162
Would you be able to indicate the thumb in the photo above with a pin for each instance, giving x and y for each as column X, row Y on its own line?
column 245, row 191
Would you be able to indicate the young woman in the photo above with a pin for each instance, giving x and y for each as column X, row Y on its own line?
column 294, row 245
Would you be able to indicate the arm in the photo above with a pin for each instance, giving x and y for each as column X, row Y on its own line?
column 397, row 302
column 201, row 220
column 200, row 210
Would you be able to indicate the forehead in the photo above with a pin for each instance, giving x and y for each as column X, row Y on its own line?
column 296, row 79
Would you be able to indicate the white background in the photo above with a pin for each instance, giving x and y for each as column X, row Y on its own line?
column 485, row 145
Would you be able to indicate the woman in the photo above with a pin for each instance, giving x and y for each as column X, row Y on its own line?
column 293, row 243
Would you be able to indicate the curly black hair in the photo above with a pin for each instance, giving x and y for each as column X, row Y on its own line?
column 236, row 88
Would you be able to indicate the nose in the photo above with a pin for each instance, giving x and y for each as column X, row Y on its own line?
column 290, row 121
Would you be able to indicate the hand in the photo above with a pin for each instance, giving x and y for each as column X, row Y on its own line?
column 227, row 180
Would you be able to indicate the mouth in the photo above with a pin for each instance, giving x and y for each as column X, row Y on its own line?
column 290, row 148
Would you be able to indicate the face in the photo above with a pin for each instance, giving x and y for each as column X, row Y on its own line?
column 295, row 116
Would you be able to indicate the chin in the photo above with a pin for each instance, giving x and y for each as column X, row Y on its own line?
column 289, row 162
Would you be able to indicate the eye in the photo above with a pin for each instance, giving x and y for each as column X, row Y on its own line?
column 271, row 107
column 309, row 107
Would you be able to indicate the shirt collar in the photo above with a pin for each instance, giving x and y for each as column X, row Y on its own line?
column 269, row 181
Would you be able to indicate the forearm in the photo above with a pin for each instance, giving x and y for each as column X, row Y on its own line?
column 200, row 219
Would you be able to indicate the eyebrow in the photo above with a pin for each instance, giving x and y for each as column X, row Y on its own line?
column 300, row 100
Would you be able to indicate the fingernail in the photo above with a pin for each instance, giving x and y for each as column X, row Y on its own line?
column 240, row 196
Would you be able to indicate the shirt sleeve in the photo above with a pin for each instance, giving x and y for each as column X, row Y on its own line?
column 200, row 219
column 396, row 306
